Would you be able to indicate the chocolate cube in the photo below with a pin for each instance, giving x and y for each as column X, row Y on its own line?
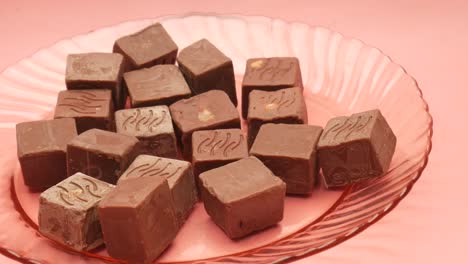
column 355, row 148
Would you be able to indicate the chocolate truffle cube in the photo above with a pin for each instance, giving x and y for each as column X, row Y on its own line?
column 158, row 85
column 210, row 110
column 290, row 152
column 152, row 126
column 68, row 211
column 148, row 47
column 43, row 144
column 97, row 71
column 269, row 74
column 101, row 154
column 207, row 68
column 243, row 197
column 178, row 174
column 355, row 148
column 90, row 108
column 138, row 219
column 281, row 106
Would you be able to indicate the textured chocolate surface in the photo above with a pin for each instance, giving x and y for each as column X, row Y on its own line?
column 269, row 74
column 152, row 126
column 158, row 85
column 68, row 211
column 42, row 144
column 243, row 197
column 355, row 148
column 138, row 219
column 290, row 152
column 89, row 108
column 207, row 68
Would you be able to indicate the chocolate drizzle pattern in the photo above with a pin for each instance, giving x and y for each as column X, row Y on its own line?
column 146, row 120
column 348, row 127
column 83, row 103
column 279, row 102
column 78, row 192
column 219, row 142
column 159, row 168
column 272, row 70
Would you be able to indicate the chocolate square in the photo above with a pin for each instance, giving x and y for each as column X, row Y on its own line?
column 43, row 144
column 178, row 174
column 210, row 110
column 152, row 126
column 158, row 85
column 269, row 74
column 243, row 197
column 90, row 108
column 97, row 71
column 355, row 148
column 101, row 154
column 68, row 211
column 290, row 152
column 148, row 47
column 281, row 106
column 207, row 68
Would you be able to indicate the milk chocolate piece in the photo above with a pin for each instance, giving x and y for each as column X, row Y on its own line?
column 178, row 174
column 97, row 71
column 158, row 85
column 41, row 148
column 355, row 148
column 269, row 74
column 290, row 152
column 210, row 110
column 207, row 68
column 243, row 197
column 68, row 211
column 146, row 48
column 282, row 106
column 89, row 108
column 101, row 154
column 138, row 219
column 152, row 126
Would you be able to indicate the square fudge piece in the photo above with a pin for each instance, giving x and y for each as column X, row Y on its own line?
column 158, row 85
column 152, row 126
column 101, row 154
column 210, row 110
column 138, row 219
column 243, row 197
column 68, row 211
column 355, row 148
column 290, row 152
column 43, row 144
column 206, row 68
column 269, row 74
column 281, row 106
column 146, row 48
column 97, row 71
column 90, row 108
column 178, row 174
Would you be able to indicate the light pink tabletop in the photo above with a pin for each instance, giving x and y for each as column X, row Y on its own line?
column 429, row 38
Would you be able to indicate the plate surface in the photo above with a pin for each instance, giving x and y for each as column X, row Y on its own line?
column 341, row 75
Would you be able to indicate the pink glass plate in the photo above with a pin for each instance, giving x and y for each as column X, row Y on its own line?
column 341, row 75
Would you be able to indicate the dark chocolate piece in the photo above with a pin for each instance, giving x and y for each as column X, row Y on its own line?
column 243, row 197
column 152, row 126
column 97, row 71
column 146, row 48
column 89, row 108
column 158, row 85
column 68, row 211
column 178, row 174
column 207, row 68
column 355, row 148
column 290, row 152
column 41, row 147
column 210, row 110
column 138, row 219
column 269, row 74
column 282, row 106
column 101, row 154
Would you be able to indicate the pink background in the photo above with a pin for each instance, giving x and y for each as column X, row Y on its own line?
column 429, row 38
